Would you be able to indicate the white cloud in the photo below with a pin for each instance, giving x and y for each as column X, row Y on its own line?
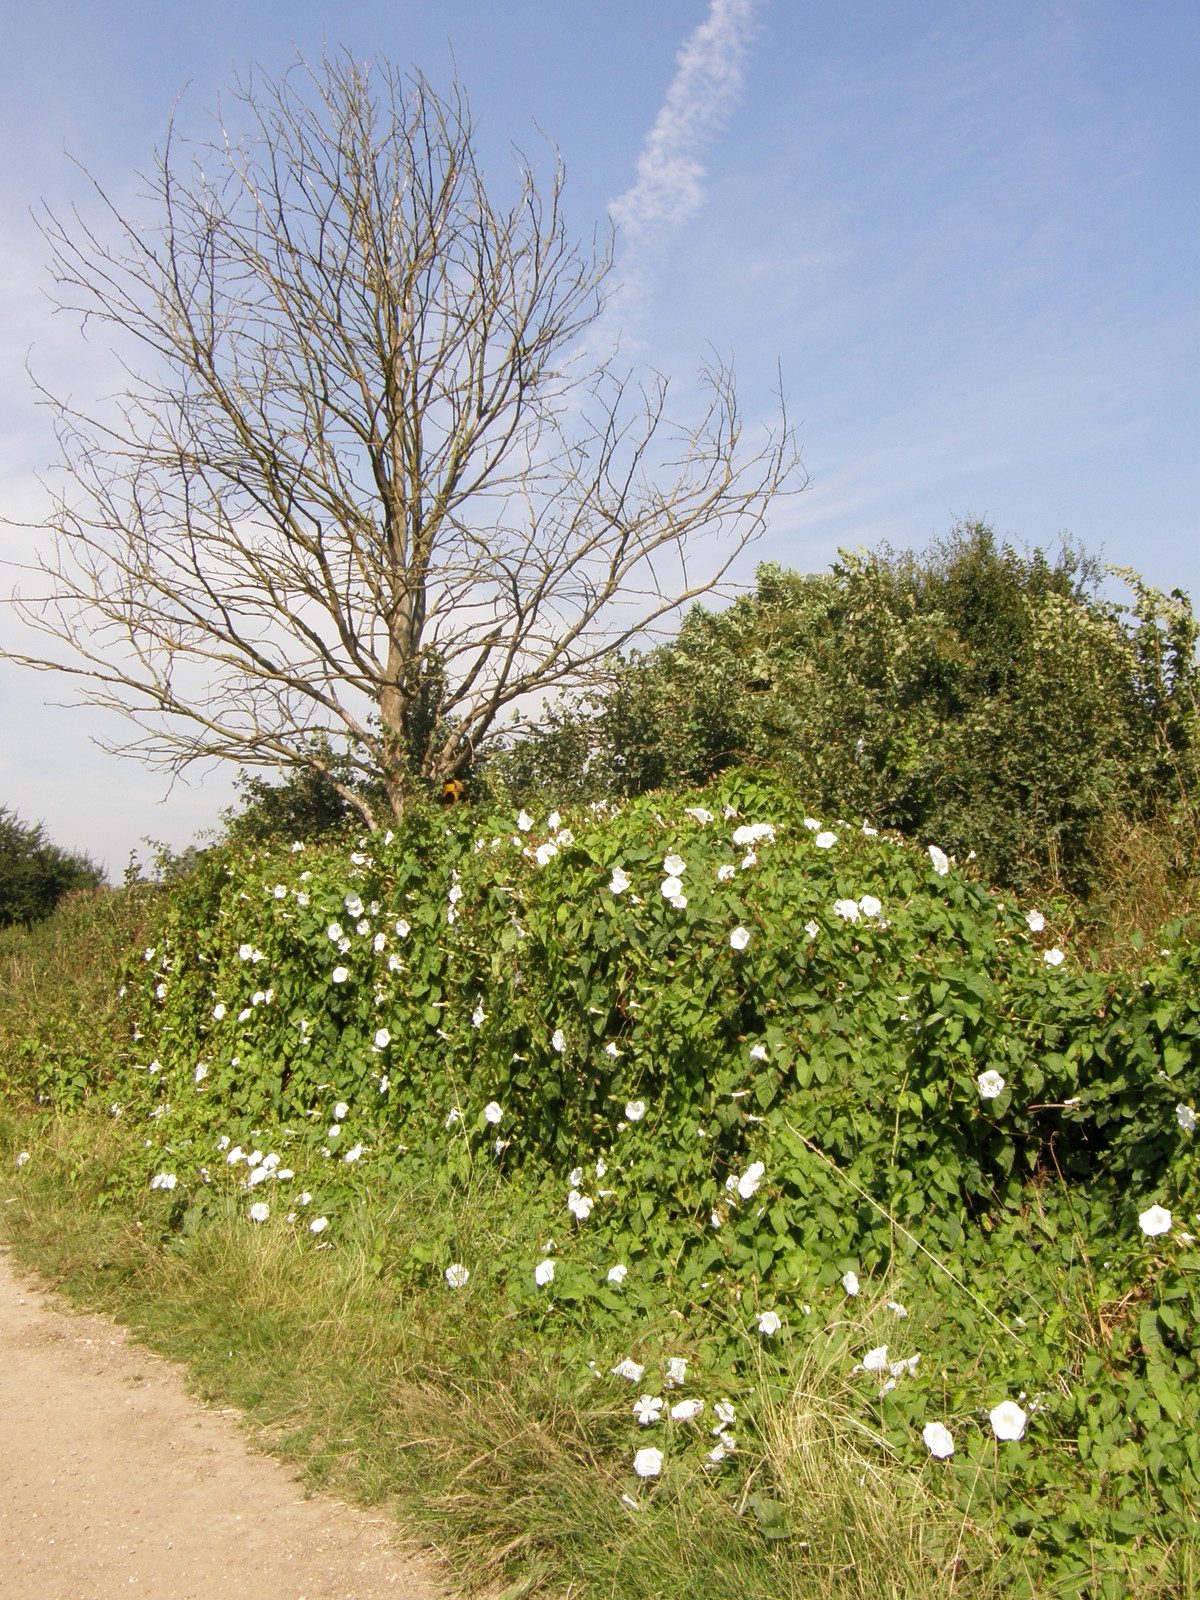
column 670, row 181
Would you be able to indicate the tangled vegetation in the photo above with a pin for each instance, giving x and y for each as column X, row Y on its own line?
column 989, row 698
column 810, row 1161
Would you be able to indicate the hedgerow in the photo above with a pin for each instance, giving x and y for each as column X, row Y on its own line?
column 754, row 1083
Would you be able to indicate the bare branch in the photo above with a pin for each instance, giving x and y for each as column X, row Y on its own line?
column 361, row 487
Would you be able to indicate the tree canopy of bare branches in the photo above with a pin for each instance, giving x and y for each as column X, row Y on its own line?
column 365, row 491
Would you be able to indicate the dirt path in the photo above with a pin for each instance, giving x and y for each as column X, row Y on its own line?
column 114, row 1482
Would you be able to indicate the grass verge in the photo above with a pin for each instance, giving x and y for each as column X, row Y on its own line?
column 484, row 1446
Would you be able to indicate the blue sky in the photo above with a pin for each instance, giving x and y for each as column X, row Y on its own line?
column 966, row 234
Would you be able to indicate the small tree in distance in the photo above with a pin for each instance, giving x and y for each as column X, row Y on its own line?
column 363, row 495
column 35, row 874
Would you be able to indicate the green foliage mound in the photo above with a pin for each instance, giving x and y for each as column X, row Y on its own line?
column 35, row 874
column 749, row 1084
column 975, row 694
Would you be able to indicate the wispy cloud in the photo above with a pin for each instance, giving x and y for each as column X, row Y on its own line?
column 670, row 168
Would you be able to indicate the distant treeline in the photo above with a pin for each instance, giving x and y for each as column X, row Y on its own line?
column 35, row 874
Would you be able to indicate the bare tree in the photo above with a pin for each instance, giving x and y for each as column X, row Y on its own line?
column 363, row 492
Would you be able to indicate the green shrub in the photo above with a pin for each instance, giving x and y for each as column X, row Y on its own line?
column 35, row 874
column 975, row 695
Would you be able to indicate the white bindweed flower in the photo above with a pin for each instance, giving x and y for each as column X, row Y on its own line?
column 846, row 909
column 161, row 1180
column 897, row 1309
column 1008, row 1420
column 339, row 974
column 492, row 1112
column 575, row 1177
column 725, row 1414
column 611, row 1049
column 646, row 1409
column 870, row 906
column 753, row 833
column 279, row 891
column 1186, row 1118
column 726, row 873
column 876, row 1360
column 739, row 938
column 850, row 1283
column 218, row 1012
column 455, row 1115
column 825, row 840
column 769, row 1323
column 554, row 822
column 647, row 1463
column 601, row 1167
column 403, row 929
column 990, row 1084
column 394, row 963
column 1154, row 1221
column 524, row 822
column 558, row 1041
column 676, row 1371
column 749, row 1181
column 200, row 1073
column 758, row 1052
column 620, row 881
column 812, row 929
column 545, row 853
column 382, row 1038
column 385, row 1084
column 1035, row 920
column 353, row 903
column 628, row 1369
column 670, row 887
column 1053, row 958
column 24, row 1157
column 685, row 1410
column 478, row 1016
column 457, row 1275
column 341, row 1110
column 318, row 1224
column 380, row 943
column 619, row 1273
column 354, row 1153
column 635, row 1110
column 259, row 1211
column 939, row 1441
column 245, row 951
column 698, row 814
column 580, row 1205
column 543, row 1273
column 940, row 860
column 749, row 860
column 871, row 833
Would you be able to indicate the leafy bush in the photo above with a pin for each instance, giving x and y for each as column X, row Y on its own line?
column 789, row 1077
column 974, row 695
column 35, row 874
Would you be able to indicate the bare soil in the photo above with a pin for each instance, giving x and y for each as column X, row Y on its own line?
column 113, row 1481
